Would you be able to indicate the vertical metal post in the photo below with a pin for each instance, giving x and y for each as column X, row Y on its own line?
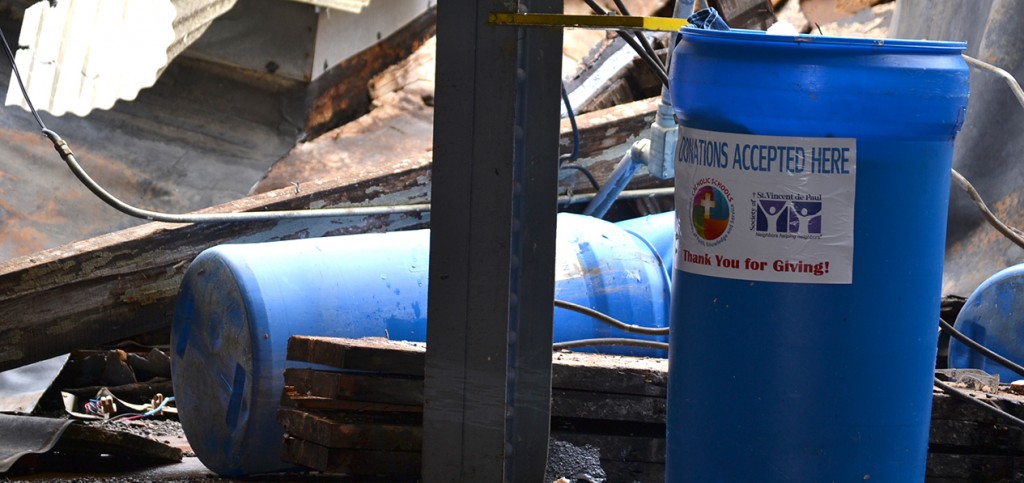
column 488, row 368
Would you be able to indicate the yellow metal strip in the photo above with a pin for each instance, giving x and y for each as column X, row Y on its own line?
column 603, row 22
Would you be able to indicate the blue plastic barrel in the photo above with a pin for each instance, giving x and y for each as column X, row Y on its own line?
column 657, row 231
column 994, row 317
column 812, row 181
column 239, row 304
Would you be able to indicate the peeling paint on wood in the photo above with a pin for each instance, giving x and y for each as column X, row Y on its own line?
column 123, row 284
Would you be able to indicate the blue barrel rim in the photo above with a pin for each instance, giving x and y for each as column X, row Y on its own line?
column 762, row 37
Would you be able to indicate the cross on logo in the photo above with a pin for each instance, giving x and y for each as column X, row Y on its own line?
column 707, row 203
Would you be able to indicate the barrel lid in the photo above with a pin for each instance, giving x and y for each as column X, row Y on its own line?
column 761, row 37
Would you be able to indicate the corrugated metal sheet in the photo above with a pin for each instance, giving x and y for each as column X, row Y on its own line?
column 86, row 54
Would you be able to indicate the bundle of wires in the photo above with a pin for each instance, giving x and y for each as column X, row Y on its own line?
column 151, row 412
column 636, row 40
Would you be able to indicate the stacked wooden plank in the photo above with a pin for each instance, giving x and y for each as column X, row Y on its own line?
column 969, row 444
column 364, row 416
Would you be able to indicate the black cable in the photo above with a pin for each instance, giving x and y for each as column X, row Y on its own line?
column 646, row 44
column 985, row 351
column 586, row 172
column 595, row 7
column 69, row 157
column 65, row 153
column 640, row 36
column 610, row 341
column 575, row 154
column 658, row 71
column 607, row 319
column 17, row 74
column 954, row 392
column 652, row 62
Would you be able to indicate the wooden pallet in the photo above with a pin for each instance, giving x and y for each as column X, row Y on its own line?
column 370, row 405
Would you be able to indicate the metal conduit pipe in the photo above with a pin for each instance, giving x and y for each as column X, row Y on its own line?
column 637, row 155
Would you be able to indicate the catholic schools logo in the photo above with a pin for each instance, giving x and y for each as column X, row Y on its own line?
column 711, row 212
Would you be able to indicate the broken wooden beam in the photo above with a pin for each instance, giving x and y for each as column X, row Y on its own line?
column 122, row 284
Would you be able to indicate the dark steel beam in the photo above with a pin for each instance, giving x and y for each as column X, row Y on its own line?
column 488, row 365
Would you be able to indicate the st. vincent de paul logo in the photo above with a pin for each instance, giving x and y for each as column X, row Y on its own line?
column 711, row 212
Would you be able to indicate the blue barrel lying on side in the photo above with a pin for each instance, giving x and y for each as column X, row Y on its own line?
column 993, row 316
column 239, row 304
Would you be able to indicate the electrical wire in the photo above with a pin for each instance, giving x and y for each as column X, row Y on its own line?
column 985, row 351
column 954, row 392
column 159, row 408
column 586, row 172
column 1014, row 85
column 595, row 7
column 575, row 154
column 68, row 156
column 65, row 153
column 134, row 416
column 642, row 37
column 651, row 60
column 630, row 194
column 607, row 319
column 125, row 417
column 93, row 407
column 610, row 341
column 17, row 74
column 1012, row 233
column 1015, row 235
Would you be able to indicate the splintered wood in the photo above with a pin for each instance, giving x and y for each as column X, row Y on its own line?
column 364, row 416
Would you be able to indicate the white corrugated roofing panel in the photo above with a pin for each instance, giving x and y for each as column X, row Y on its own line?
column 351, row 6
column 87, row 54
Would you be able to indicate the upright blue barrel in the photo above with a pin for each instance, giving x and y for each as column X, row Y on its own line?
column 994, row 317
column 812, row 181
column 239, row 304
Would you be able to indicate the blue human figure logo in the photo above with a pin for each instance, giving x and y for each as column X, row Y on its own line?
column 799, row 217
column 768, row 215
column 806, row 217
